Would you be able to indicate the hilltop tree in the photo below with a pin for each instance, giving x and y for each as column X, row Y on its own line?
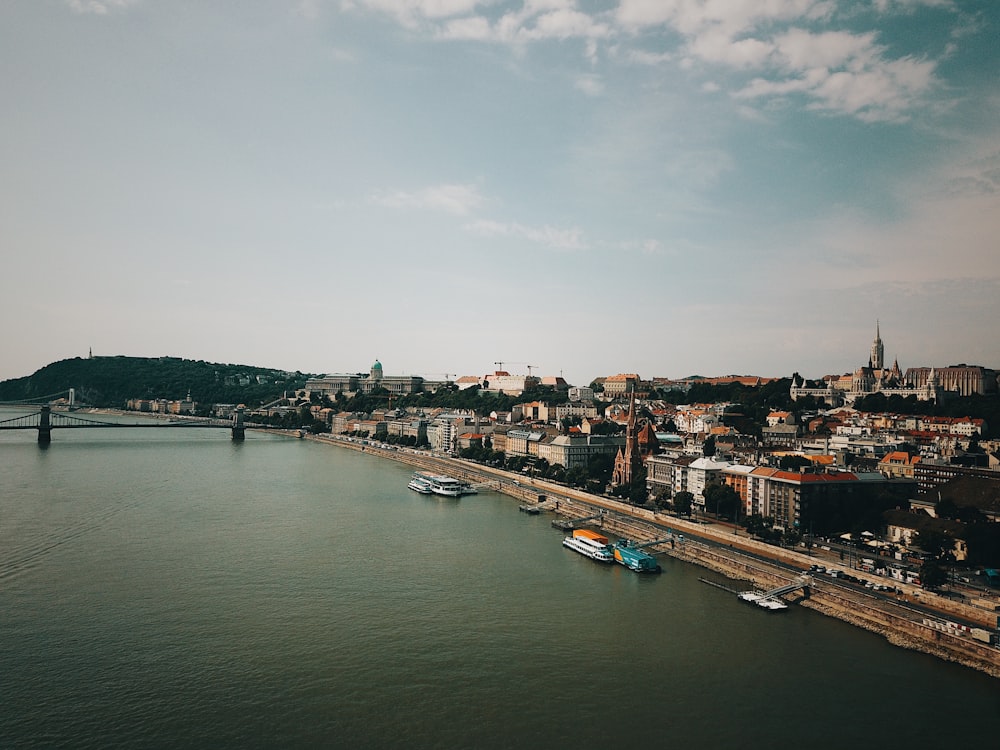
column 111, row 381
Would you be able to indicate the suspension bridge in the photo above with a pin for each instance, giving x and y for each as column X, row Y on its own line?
column 45, row 420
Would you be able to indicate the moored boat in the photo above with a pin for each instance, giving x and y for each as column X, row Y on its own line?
column 632, row 557
column 590, row 544
column 419, row 483
column 439, row 484
column 447, row 486
column 762, row 600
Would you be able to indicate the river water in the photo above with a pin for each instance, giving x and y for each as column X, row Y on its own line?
column 171, row 588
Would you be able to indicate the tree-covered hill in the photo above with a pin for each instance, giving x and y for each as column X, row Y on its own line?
column 111, row 381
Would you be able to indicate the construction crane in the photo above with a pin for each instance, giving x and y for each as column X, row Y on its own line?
column 501, row 364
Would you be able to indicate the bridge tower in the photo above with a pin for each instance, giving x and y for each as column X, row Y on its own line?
column 44, row 426
column 239, row 432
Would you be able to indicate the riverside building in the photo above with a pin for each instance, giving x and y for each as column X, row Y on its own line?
column 352, row 384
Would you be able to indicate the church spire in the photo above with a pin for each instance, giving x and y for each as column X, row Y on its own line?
column 877, row 360
column 629, row 459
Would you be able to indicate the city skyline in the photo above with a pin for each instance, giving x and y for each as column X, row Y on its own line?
column 663, row 187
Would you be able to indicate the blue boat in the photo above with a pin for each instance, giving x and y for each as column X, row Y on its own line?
column 628, row 554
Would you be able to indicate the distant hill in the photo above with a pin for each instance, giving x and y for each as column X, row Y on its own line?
column 111, row 381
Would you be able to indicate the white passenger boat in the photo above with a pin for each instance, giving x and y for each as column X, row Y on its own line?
column 419, row 483
column 447, row 486
column 439, row 484
column 590, row 547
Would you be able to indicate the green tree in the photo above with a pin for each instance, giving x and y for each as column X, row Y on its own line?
column 761, row 527
column 662, row 499
column 791, row 537
column 708, row 447
column 932, row 575
column 933, row 542
column 721, row 499
column 683, row 503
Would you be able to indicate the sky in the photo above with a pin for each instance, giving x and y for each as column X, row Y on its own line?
column 569, row 187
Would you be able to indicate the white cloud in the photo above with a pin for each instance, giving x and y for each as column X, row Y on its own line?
column 718, row 47
column 409, row 12
column 534, row 21
column 472, row 28
column 557, row 239
column 456, row 199
column 833, row 70
column 799, row 49
column 99, row 7
column 591, row 85
column 731, row 17
column 844, row 73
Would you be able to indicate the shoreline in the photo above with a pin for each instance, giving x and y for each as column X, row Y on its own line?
column 914, row 619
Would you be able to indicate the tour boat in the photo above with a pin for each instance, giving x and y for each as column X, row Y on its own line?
column 590, row 544
column 419, row 483
column 439, row 484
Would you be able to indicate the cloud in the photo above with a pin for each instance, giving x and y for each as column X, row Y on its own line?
column 847, row 73
column 591, row 85
column 557, row 239
column 731, row 18
column 99, row 7
column 451, row 198
column 412, row 12
column 844, row 73
column 885, row 6
column 777, row 42
column 470, row 20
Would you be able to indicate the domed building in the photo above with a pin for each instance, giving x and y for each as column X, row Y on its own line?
column 352, row 384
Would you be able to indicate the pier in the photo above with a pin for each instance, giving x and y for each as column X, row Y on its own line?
column 568, row 524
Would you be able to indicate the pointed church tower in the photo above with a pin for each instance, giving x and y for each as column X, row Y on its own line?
column 877, row 361
column 897, row 374
column 629, row 457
